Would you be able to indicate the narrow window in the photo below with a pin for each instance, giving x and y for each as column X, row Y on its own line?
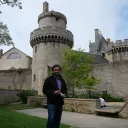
column 57, row 18
column 34, row 78
column 103, row 54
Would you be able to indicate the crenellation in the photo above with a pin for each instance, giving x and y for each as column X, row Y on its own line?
column 118, row 41
column 117, row 51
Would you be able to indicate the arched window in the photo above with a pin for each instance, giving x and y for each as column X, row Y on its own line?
column 13, row 56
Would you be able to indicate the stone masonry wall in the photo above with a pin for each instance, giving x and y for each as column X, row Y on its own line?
column 81, row 105
column 15, row 79
column 9, row 96
column 71, row 104
column 114, row 78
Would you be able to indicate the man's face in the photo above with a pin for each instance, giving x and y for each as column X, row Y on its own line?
column 56, row 70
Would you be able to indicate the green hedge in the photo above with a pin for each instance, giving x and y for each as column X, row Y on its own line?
column 24, row 94
column 106, row 96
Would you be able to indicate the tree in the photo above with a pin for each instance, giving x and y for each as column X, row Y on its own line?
column 77, row 69
column 11, row 3
column 5, row 38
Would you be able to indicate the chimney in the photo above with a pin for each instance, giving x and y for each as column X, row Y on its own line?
column 1, row 52
column 108, row 40
column 45, row 7
column 97, row 39
column 96, row 34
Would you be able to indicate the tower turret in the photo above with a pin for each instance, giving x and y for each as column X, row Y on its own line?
column 47, row 42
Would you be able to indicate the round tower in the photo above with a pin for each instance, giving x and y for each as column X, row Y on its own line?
column 119, row 51
column 47, row 42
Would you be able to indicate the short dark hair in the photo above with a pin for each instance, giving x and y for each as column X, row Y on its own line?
column 56, row 65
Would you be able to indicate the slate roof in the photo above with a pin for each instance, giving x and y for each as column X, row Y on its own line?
column 18, row 50
column 98, row 59
column 102, row 43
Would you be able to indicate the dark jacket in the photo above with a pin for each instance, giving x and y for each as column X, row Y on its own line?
column 50, row 86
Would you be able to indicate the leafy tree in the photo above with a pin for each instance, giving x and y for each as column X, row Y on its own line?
column 77, row 67
column 11, row 3
column 5, row 38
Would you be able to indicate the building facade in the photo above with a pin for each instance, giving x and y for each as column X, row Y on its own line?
column 14, row 59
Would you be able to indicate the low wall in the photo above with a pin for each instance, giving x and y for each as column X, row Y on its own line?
column 71, row 104
column 8, row 96
column 36, row 101
column 81, row 105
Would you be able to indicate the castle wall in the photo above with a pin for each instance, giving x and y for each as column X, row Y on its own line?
column 119, row 56
column 109, row 57
column 114, row 78
column 15, row 79
column 47, row 54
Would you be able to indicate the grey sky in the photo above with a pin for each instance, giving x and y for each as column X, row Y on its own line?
column 83, row 17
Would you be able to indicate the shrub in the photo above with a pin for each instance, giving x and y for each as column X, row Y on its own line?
column 110, row 98
column 24, row 94
column 106, row 96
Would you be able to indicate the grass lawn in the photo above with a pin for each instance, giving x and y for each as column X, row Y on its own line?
column 11, row 119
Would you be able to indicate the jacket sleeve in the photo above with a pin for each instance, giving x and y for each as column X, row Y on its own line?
column 46, row 88
column 65, row 88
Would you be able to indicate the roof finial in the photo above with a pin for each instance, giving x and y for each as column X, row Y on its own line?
column 45, row 7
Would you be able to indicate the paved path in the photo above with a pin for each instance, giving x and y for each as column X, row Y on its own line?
column 81, row 120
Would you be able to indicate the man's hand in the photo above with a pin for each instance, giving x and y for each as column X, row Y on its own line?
column 57, row 92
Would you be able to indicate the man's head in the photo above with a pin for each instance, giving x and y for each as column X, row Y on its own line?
column 56, row 70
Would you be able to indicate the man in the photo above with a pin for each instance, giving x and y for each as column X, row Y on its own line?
column 102, row 103
column 55, row 89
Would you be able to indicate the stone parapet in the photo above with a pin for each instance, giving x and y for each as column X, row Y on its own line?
column 52, row 14
column 51, row 35
column 119, row 46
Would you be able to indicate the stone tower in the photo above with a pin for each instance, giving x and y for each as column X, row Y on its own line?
column 47, row 42
column 118, row 51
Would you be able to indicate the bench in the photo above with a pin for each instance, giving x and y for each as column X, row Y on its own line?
column 111, row 112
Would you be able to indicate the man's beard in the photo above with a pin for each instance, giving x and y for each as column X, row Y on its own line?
column 57, row 75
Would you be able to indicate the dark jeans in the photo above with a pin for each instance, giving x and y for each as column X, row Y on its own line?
column 54, row 116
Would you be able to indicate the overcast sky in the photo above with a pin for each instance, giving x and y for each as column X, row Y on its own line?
column 83, row 16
